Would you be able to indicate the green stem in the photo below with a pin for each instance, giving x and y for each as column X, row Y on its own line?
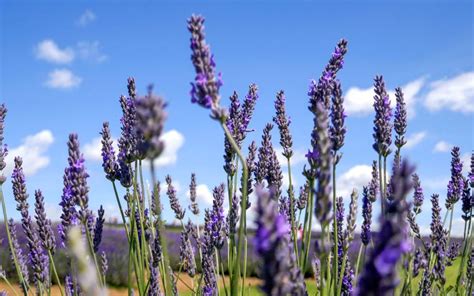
column 124, row 221
column 9, row 285
column 51, row 261
column 23, row 284
column 336, row 255
column 245, row 266
column 237, row 262
column 309, row 230
column 292, row 209
column 382, row 196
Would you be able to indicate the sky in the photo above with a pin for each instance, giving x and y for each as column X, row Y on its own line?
column 63, row 67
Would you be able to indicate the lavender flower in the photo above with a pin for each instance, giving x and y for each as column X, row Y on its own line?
column 45, row 230
column 154, row 288
column 207, row 259
column 264, row 153
column 323, row 203
column 3, row 148
column 395, row 167
column 156, row 251
column 456, row 184
column 69, row 212
column 383, row 114
column 400, row 119
column 426, row 283
column 319, row 91
column 232, row 122
column 109, row 162
column 471, row 173
column 215, row 220
column 438, row 239
column 467, row 201
column 186, row 253
column 417, row 194
column 351, row 219
column 303, row 197
column 205, row 88
column 233, row 216
column 252, row 168
column 365, row 234
column 78, row 177
column 379, row 276
column 374, row 184
column 275, row 174
column 99, row 225
column 128, row 140
column 271, row 243
column 452, row 253
column 150, row 118
column 414, row 226
column 337, row 129
column 418, row 262
column 193, row 207
column 17, row 253
column 283, row 123
column 175, row 206
column 247, row 111
column 104, row 263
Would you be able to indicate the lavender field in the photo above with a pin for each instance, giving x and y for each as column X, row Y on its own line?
column 270, row 218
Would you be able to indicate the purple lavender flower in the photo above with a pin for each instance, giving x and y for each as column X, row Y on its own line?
column 128, row 140
column 215, row 218
column 232, row 122
column 471, row 173
column 45, row 230
column 35, row 255
column 206, row 85
column 320, row 91
column 337, row 129
column 395, row 167
column 374, row 183
column 193, row 207
column 323, row 203
column 264, row 153
column 18, row 253
column 154, row 288
column 275, row 174
column 99, row 226
column 233, row 216
column 400, row 119
column 174, row 202
column 366, row 234
column 383, row 114
column 418, row 196
column 283, row 123
column 303, row 197
column 186, row 253
column 247, row 111
column 69, row 212
column 156, row 251
column 78, row 177
column 3, row 148
column 426, row 283
column 467, row 201
column 418, row 262
column 438, row 239
column 252, row 168
column 272, row 245
column 150, row 118
column 207, row 259
column 109, row 162
column 452, row 253
column 456, row 184
column 379, row 276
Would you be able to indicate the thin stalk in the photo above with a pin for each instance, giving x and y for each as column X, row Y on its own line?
column 309, row 230
column 24, row 285
column 292, row 209
column 382, row 196
column 222, row 271
column 121, row 210
column 336, row 255
column 53, row 266
column 384, row 177
column 91, row 249
column 245, row 266
column 362, row 250
column 465, row 254
column 243, row 203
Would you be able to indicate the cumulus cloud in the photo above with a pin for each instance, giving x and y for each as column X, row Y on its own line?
column 32, row 150
column 455, row 93
column 442, row 146
column 297, row 158
column 355, row 177
column 91, row 51
column 63, row 79
column 359, row 101
column 415, row 139
column 86, row 18
column 203, row 194
column 173, row 141
column 49, row 51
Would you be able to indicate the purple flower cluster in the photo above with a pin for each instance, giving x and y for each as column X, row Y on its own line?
column 382, row 122
column 456, row 184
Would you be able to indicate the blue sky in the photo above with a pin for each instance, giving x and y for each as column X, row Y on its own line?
column 64, row 66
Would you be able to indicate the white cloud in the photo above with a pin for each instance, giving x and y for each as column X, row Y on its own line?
column 86, row 18
column 355, row 177
column 173, row 141
column 63, row 78
column 435, row 184
column 90, row 50
column 49, row 51
column 297, row 158
column 455, row 94
column 442, row 146
column 32, row 150
column 360, row 101
column 415, row 139
column 466, row 163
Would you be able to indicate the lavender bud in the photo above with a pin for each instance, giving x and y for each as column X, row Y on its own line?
column 426, row 283
column 452, row 253
column 374, row 183
column 99, row 225
column 337, row 129
column 418, row 196
column 3, row 147
column 247, row 111
column 456, row 184
column 193, row 207
column 232, row 122
column 395, row 167
column 383, row 114
column 109, row 162
column 233, row 216
column 303, row 198
column 438, row 239
column 264, row 154
column 351, row 219
column 155, row 201
column 365, row 234
column 400, row 119
column 467, row 201
column 154, row 288
column 207, row 259
column 471, row 173
column 252, row 167
column 216, row 219
column 104, row 263
column 283, row 123
column 275, row 174
column 156, row 250
column 18, row 253
column 206, row 85
column 175, row 206
column 186, row 254
column 323, row 203
column 150, row 118
column 45, row 230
